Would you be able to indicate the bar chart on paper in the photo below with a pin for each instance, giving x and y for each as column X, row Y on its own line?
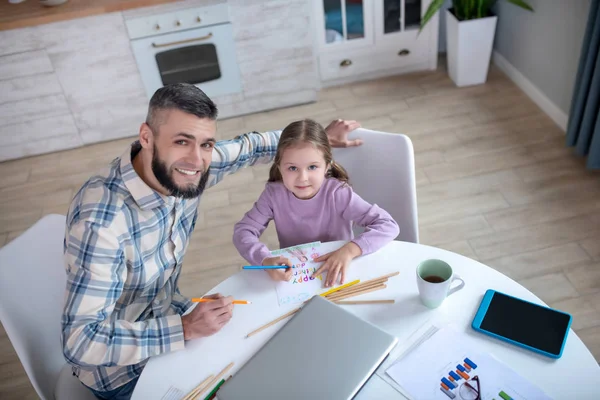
column 458, row 380
column 454, row 372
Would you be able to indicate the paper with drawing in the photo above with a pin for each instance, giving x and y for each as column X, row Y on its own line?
column 302, row 286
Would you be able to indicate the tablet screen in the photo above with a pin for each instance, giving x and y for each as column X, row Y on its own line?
column 526, row 323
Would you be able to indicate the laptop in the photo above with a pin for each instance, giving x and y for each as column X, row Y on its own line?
column 323, row 352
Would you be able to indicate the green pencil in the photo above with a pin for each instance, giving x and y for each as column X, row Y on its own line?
column 215, row 389
column 504, row 395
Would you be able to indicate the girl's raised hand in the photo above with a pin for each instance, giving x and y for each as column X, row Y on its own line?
column 337, row 262
column 279, row 274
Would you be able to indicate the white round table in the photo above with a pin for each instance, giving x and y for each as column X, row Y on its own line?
column 575, row 375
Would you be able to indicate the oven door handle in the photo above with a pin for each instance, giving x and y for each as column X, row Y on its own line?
column 183, row 41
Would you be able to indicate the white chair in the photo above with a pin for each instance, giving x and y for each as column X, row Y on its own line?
column 32, row 289
column 382, row 171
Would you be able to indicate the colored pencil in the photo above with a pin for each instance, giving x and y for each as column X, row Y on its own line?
column 212, row 392
column 381, row 279
column 364, row 291
column 194, row 392
column 355, row 290
column 363, row 285
column 284, row 316
column 340, row 288
column 214, row 380
column 265, row 267
column 356, row 302
column 205, row 300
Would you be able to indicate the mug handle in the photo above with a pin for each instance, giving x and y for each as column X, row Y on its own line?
column 460, row 285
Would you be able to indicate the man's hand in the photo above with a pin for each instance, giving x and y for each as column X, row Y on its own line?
column 338, row 131
column 337, row 262
column 208, row 318
column 279, row 274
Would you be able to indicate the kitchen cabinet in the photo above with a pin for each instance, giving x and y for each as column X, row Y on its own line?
column 75, row 82
column 361, row 39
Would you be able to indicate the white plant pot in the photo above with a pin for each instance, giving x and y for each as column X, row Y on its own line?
column 469, row 48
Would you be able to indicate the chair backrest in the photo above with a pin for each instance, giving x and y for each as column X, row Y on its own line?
column 382, row 172
column 32, row 288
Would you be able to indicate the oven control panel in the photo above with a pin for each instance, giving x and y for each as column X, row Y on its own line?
column 177, row 21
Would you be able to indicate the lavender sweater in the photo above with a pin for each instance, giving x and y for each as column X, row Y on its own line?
column 327, row 216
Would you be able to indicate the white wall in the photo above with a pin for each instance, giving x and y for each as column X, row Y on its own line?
column 544, row 46
column 442, row 33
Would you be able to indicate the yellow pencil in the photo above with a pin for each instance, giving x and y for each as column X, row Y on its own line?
column 340, row 287
column 203, row 300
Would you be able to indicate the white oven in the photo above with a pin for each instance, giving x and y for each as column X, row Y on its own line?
column 193, row 46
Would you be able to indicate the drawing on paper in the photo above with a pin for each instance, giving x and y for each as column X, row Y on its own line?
column 302, row 285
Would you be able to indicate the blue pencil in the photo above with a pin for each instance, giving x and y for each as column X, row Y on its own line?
column 265, row 267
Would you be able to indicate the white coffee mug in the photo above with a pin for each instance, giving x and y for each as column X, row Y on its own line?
column 434, row 280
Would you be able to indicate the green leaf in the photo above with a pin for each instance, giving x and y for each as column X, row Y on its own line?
column 522, row 4
column 431, row 10
column 470, row 9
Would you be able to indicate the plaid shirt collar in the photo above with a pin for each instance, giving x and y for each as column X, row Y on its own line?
column 145, row 197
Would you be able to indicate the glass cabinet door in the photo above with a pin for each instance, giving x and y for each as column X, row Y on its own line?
column 400, row 15
column 412, row 14
column 345, row 20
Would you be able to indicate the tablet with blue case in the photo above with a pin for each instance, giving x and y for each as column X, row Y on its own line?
column 532, row 326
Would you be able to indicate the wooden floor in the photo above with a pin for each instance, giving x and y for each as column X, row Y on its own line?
column 495, row 183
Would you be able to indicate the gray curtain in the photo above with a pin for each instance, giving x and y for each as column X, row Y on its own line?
column 583, row 129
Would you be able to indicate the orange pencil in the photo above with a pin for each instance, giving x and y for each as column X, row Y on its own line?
column 203, row 300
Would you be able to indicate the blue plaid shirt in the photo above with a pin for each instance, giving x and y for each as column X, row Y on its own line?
column 124, row 245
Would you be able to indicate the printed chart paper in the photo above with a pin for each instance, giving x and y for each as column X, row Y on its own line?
column 449, row 372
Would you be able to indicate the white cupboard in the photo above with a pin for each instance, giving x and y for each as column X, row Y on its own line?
column 362, row 39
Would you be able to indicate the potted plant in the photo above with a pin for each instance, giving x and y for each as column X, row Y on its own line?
column 470, row 29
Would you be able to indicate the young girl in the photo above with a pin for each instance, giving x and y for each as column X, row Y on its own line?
column 309, row 198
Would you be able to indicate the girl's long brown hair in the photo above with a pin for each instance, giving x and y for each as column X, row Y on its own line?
column 306, row 131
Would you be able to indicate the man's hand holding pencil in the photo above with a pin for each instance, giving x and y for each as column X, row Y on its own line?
column 207, row 318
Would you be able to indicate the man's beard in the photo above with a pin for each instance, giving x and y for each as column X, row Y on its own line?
column 165, row 178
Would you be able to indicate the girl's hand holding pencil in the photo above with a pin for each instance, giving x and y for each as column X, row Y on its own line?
column 278, row 274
